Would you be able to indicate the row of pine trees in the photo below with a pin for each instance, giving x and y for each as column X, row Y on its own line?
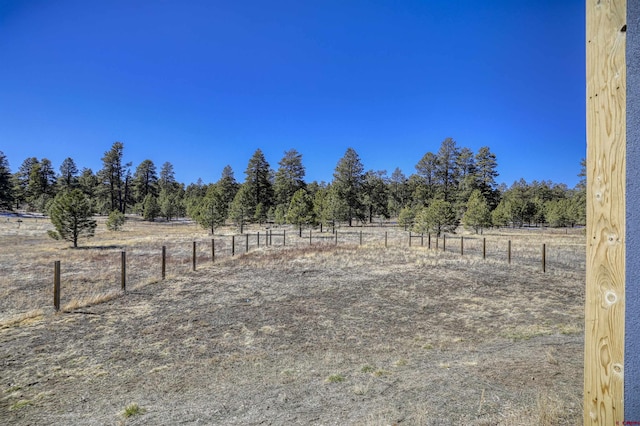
column 451, row 186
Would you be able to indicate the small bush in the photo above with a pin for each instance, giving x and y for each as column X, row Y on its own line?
column 335, row 378
column 115, row 221
column 133, row 410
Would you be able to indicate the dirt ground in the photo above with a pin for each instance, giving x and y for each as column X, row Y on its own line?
column 310, row 335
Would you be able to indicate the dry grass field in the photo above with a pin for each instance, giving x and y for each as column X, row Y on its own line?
column 302, row 334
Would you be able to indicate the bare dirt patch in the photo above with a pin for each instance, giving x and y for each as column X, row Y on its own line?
column 310, row 335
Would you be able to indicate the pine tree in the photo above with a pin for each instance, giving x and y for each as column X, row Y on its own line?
column 477, row 215
column 68, row 178
column 145, row 181
column 300, row 208
column 258, row 184
column 446, row 172
column 289, row 178
column 426, row 169
column 398, row 196
column 112, row 176
column 71, row 214
column 438, row 217
column 375, row 195
column 348, row 181
column 486, row 174
column 6, row 184
column 211, row 210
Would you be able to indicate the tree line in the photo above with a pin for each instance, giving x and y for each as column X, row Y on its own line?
column 449, row 187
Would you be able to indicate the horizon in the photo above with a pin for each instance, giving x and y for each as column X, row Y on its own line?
column 205, row 84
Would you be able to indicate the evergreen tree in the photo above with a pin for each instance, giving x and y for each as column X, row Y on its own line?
column 398, row 196
column 486, row 174
column 424, row 189
column 446, row 173
column 438, row 217
column 300, row 208
column 150, row 208
column 289, row 178
column 348, row 181
column 71, row 214
column 501, row 215
column 212, row 210
column 259, row 187
column 477, row 215
column 68, row 178
column 228, row 187
column 21, row 181
column 167, row 180
column 6, row 184
column 375, row 195
column 467, row 176
column 40, row 186
column 240, row 208
column 112, row 176
column 145, row 181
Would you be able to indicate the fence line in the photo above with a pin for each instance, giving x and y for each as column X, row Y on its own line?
column 269, row 235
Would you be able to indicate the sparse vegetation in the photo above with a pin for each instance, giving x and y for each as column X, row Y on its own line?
column 133, row 409
column 262, row 330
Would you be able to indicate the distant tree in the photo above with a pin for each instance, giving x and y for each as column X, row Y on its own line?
column 21, row 181
column 88, row 183
column 115, row 221
column 398, row 196
column 466, row 175
column 501, row 215
column 212, row 210
column 477, row 215
column 145, row 181
column 407, row 217
column 170, row 202
column 446, row 172
column 167, row 180
column 426, row 170
column 6, row 184
column 240, row 208
column 150, row 208
column 348, row 180
column 300, row 208
column 71, row 215
column 375, row 196
column 289, row 178
column 113, row 176
column 228, row 187
column 438, row 217
column 258, row 185
column 40, row 187
column 485, row 169
column 68, row 178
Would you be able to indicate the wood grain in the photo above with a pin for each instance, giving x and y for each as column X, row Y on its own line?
column 606, row 159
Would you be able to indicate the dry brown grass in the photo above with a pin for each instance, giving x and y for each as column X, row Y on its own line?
column 408, row 335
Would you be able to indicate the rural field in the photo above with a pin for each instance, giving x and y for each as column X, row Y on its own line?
column 368, row 331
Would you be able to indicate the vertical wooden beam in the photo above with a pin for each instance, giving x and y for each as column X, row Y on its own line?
column 56, row 285
column 606, row 165
column 632, row 224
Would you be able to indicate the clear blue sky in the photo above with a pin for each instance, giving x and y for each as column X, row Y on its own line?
column 203, row 84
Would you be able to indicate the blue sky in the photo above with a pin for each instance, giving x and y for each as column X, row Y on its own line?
column 203, row 84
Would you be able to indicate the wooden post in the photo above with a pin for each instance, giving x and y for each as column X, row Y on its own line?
column 385, row 239
column 246, row 243
column 444, row 242
column 360, row 237
column 56, row 285
column 484, row 248
column 422, row 240
column 461, row 246
column 284, row 238
column 123, row 270
column 409, row 238
column 544, row 258
column 233, row 245
column 509, row 252
column 213, row 250
column 605, row 368
column 429, row 240
column 193, row 256
column 164, row 262
column 258, row 238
